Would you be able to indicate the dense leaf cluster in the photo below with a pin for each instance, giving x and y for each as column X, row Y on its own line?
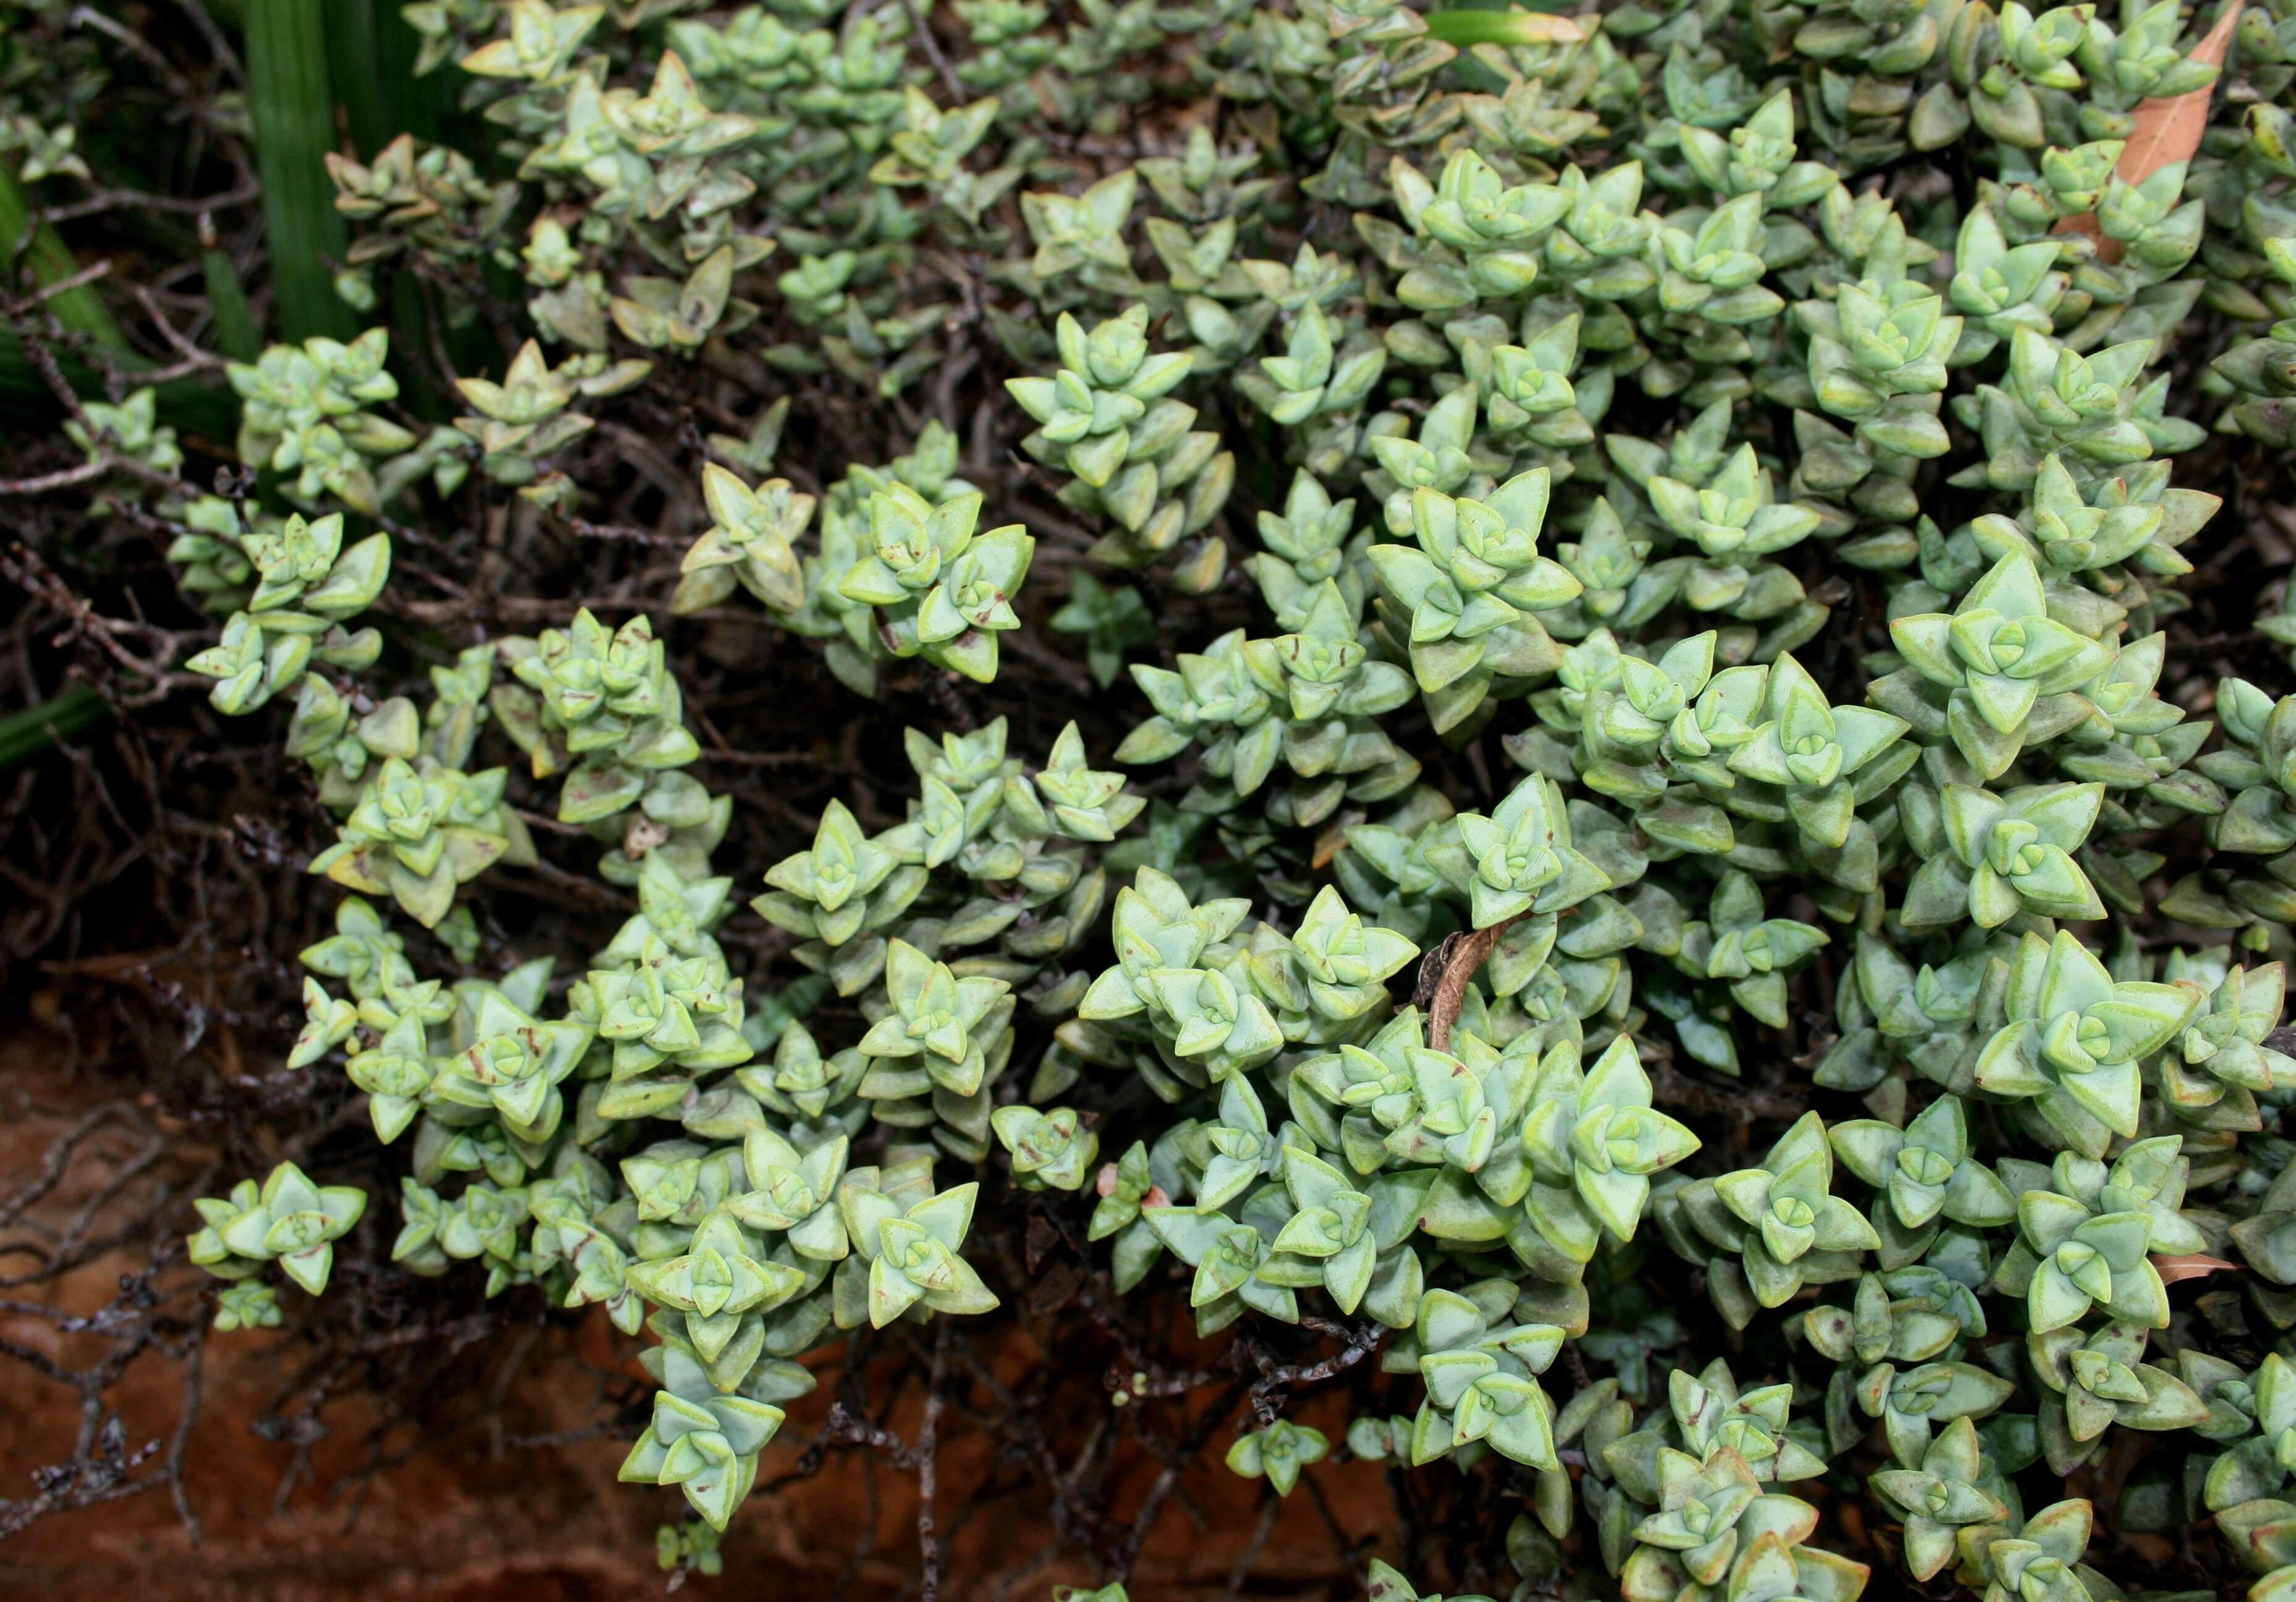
column 1754, row 429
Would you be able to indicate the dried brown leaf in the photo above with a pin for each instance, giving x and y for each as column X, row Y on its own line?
column 1444, row 975
column 2167, row 130
column 2190, row 1265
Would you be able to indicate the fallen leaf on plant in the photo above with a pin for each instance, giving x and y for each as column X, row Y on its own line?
column 2167, row 130
column 2190, row 1265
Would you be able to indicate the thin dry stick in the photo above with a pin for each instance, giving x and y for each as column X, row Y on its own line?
column 1270, row 1505
column 923, row 27
column 928, row 1438
column 1443, row 977
column 42, row 484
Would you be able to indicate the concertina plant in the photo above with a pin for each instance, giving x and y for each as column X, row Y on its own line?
column 1664, row 526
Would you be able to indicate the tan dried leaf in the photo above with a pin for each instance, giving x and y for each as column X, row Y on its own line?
column 2167, row 130
column 2190, row 1265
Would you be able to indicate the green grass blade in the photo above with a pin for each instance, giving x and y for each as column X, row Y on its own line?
column 38, row 729
column 82, row 310
column 1532, row 24
column 354, row 57
column 294, row 129
column 210, row 414
column 236, row 334
column 195, row 408
column 425, row 106
column 372, row 51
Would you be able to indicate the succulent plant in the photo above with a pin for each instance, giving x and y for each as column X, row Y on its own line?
column 1979, row 675
column 2021, row 1557
column 1716, row 1527
column 288, row 1220
column 1113, row 619
column 1606, row 401
column 935, row 1017
column 794, row 1192
column 2074, row 1039
column 704, row 1442
column 836, row 894
column 1481, row 1379
column 752, row 542
column 938, row 588
column 1049, row 1149
column 421, row 831
column 1106, row 418
column 2258, row 1467
column 2001, row 856
column 2104, row 1382
column 1278, row 1452
column 1467, row 594
column 1780, row 1222
column 603, row 708
column 1947, row 1492
column 1593, row 1140
column 910, row 1252
column 247, row 1307
column 1927, row 1173
column 307, row 586
column 2085, row 1241
column 305, row 414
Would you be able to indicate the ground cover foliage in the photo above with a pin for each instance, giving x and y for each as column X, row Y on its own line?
column 1296, row 704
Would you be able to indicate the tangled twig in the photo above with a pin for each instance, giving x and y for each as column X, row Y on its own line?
column 1445, row 972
